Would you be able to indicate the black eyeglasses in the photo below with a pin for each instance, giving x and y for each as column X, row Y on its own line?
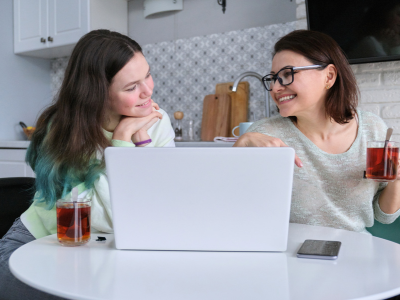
column 286, row 77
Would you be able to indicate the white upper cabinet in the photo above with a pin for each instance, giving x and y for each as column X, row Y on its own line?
column 51, row 28
column 30, row 24
column 68, row 21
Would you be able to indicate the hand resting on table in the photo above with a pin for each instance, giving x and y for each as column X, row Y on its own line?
column 255, row 139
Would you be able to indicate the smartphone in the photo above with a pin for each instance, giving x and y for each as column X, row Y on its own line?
column 318, row 249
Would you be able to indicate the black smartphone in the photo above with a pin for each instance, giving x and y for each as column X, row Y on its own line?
column 319, row 249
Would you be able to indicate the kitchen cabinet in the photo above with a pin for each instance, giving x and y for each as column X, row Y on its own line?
column 12, row 163
column 51, row 28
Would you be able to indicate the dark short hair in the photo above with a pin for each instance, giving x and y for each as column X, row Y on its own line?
column 321, row 49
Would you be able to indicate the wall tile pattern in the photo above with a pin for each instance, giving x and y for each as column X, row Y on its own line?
column 186, row 70
column 57, row 71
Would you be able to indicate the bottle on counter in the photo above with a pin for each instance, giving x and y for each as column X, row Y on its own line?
column 178, row 115
column 191, row 131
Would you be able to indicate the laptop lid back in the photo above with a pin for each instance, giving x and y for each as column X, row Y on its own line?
column 203, row 199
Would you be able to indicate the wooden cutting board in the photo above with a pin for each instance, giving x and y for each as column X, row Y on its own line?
column 216, row 116
column 239, row 102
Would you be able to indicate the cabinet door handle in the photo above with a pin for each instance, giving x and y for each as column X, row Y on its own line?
column 42, row 40
column 50, row 39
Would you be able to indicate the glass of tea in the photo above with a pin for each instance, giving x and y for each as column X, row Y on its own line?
column 73, row 221
column 382, row 160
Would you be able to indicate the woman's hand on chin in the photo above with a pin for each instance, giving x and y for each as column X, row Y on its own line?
column 155, row 105
column 142, row 135
column 255, row 139
column 128, row 126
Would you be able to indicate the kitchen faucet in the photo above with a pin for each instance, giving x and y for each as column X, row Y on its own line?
column 253, row 74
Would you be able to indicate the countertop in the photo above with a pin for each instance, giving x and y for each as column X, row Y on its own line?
column 14, row 144
column 25, row 144
column 203, row 144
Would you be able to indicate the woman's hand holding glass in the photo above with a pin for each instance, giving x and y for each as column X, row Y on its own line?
column 398, row 169
column 255, row 139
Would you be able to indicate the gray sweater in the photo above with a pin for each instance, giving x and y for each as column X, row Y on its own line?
column 329, row 190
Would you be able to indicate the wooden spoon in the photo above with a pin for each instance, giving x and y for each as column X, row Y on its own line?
column 385, row 151
column 388, row 135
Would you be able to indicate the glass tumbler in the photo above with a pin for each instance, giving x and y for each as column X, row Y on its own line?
column 73, row 222
column 382, row 160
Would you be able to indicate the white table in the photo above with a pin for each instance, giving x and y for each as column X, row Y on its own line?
column 367, row 268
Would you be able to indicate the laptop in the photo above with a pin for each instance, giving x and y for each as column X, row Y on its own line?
column 200, row 199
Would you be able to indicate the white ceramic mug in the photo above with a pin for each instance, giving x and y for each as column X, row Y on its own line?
column 242, row 128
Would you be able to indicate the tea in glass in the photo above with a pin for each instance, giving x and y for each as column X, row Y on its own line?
column 382, row 161
column 73, row 222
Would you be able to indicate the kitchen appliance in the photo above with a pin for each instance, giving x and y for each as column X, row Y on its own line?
column 154, row 7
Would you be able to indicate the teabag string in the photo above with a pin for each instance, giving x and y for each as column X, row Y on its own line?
column 74, row 194
column 74, row 198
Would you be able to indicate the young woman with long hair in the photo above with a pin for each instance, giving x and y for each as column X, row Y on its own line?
column 316, row 93
column 104, row 100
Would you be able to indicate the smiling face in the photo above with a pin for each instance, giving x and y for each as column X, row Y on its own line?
column 131, row 89
column 306, row 94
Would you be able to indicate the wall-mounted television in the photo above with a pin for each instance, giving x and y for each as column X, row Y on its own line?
column 367, row 30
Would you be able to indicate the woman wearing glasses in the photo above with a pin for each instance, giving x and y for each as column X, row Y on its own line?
column 316, row 93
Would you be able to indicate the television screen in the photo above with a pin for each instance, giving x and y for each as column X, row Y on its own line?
column 367, row 30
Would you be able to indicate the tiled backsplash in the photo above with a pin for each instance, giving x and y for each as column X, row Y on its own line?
column 186, row 70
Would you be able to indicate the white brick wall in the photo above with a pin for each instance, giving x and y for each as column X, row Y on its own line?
column 301, row 15
column 379, row 83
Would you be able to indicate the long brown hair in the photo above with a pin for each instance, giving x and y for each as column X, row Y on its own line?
column 321, row 49
column 69, row 132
